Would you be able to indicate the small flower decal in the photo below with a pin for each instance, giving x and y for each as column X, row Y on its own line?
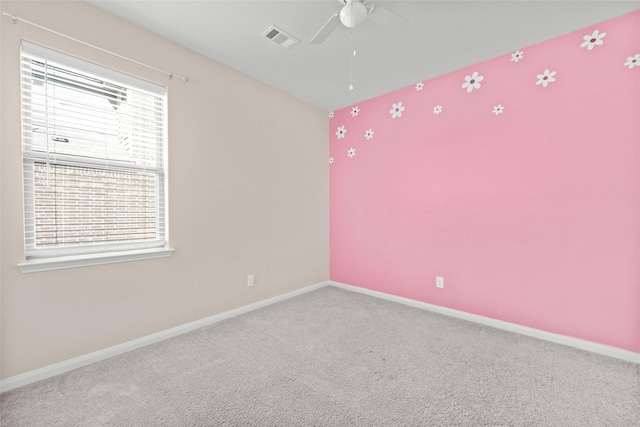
column 472, row 82
column 396, row 110
column 341, row 132
column 369, row 134
column 498, row 109
column 545, row 78
column 419, row 86
column 633, row 61
column 595, row 39
column 351, row 152
column 517, row 55
column 437, row 109
column 354, row 111
column 331, row 115
column 330, row 160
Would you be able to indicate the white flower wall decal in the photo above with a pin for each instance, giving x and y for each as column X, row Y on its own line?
column 545, row 78
column 595, row 39
column 633, row 61
column 472, row 82
column 517, row 55
column 396, row 110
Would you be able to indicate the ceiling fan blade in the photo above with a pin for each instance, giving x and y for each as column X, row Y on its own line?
column 326, row 29
column 387, row 19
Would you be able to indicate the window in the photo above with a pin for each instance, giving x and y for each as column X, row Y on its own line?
column 94, row 169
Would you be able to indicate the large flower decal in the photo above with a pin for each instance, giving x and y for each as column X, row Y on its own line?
column 545, row 78
column 354, row 111
column 472, row 82
column 396, row 110
column 498, row 109
column 437, row 109
column 351, row 153
column 341, row 132
column 419, row 86
column 633, row 61
column 369, row 134
column 595, row 39
column 517, row 55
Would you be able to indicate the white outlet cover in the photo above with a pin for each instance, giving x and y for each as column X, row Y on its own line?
column 439, row 282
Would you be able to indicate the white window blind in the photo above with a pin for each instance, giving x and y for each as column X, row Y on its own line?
column 94, row 168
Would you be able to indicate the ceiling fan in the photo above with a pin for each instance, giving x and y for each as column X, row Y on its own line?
column 355, row 12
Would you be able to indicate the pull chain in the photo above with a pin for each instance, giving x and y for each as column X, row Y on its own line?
column 353, row 48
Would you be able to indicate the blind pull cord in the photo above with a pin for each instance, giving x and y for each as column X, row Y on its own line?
column 46, row 109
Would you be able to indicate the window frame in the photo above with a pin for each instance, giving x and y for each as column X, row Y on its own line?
column 51, row 258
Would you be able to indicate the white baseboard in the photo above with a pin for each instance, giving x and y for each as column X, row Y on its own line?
column 606, row 350
column 78, row 362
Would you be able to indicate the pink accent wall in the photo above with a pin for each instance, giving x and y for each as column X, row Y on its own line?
column 530, row 214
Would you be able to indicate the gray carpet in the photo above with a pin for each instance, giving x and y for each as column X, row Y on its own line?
column 338, row 358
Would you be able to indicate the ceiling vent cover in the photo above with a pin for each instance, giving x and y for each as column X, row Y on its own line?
column 280, row 37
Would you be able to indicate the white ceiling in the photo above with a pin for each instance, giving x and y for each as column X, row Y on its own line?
column 441, row 36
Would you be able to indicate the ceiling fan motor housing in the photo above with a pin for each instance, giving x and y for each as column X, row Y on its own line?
column 353, row 13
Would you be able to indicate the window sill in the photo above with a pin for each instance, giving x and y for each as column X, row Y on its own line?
column 72, row 261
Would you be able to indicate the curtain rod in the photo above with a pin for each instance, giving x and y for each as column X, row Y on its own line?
column 15, row 20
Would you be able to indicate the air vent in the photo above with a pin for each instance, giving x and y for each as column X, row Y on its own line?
column 280, row 37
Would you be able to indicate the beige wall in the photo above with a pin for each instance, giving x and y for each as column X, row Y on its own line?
column 248, row 194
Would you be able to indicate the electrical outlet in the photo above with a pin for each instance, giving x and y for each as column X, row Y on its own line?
column 250, row 280
column 439, row 282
